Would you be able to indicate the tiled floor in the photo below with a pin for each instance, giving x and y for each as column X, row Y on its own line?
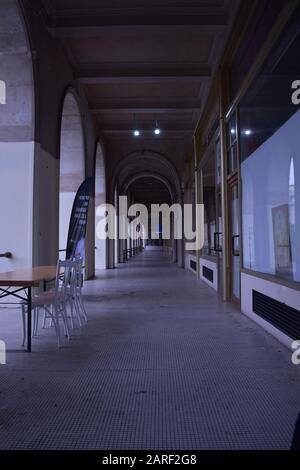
column 162, row 364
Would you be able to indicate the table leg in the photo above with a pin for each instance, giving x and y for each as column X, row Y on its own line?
column 29, row 320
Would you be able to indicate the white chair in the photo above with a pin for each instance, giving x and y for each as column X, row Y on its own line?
column 73, row 296
column 54, row 302
column 78, row 290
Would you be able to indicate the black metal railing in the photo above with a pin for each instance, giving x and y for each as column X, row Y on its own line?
column 130, row 252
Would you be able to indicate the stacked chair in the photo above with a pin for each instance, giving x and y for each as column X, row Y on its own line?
column 63, row 305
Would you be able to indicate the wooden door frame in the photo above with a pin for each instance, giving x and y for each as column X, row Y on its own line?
column 233, row 180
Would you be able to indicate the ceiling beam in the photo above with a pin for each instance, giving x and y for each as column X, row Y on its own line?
column 96, row 74
column 83, row 24
column 145, row 107
column 170, row 129
column 267, row 108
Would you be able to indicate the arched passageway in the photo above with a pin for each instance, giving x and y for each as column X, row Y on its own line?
column 17, row 149
column 134, row 176
column 151, row 189
column 72, row 163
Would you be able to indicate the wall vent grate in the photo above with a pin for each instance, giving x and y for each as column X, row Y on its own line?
column 193, row 265
column 208, row 274
column 280, row 315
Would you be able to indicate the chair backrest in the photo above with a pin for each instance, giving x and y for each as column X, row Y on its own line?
column 78, row 263
column 63, row 277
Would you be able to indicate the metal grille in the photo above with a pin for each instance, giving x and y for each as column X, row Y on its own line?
column 280, row 315
column 193, row 265
column 208, row 274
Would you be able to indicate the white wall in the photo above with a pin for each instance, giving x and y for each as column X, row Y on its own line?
column 65, row 208
column 100, row 254
column 16, row 196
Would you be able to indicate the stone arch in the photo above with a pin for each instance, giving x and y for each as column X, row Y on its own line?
column 147, row 161
column 150, row 174
column 72, row 161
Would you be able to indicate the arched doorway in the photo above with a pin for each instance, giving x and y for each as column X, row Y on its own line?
column 17, row 147
column 100, row 198
column 72, row 163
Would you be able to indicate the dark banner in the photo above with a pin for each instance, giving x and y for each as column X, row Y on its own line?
column 78, row 221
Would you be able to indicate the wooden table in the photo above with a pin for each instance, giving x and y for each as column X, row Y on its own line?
column 22, row 281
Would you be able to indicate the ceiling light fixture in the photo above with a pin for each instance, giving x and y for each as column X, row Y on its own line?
column 248, row 132
column 157, row 130
column 136, row 131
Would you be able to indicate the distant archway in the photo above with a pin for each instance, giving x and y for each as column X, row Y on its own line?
column 72, row 162
column 145, row 161
column 100, row 198
column 141, row 164
column 150, row 189
column 149, row 174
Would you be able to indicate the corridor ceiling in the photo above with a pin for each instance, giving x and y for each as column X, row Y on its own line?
column 147, row 191
column 152, row 59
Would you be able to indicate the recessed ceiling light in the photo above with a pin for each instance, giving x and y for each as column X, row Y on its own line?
column 157, row 130
column 136, row 133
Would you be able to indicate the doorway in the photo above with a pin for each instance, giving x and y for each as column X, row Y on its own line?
column 71, row 165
